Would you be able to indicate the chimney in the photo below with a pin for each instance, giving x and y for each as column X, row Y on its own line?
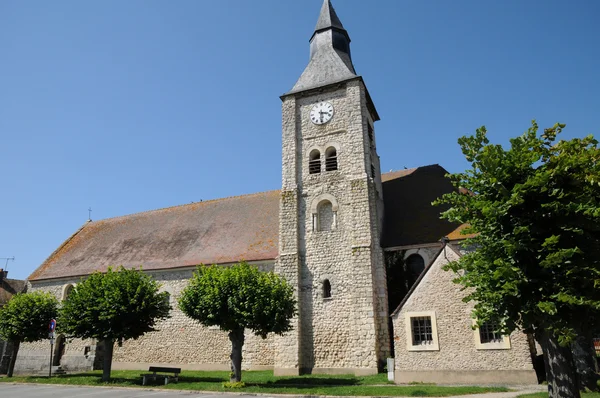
column 3, row 274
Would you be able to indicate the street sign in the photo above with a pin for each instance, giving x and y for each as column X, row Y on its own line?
column 52, row 325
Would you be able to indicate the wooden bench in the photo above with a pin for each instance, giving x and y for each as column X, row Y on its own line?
column 157, row 369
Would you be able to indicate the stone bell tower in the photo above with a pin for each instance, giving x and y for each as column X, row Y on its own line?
column 330, row 215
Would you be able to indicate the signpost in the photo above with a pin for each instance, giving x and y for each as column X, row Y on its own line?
column 51, row 336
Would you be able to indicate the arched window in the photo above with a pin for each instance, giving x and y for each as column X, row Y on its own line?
column 66, row 291
column 331, row 159
column 326, row 289
column 314, row 162
column 325, row 216
column 415, row 264
column 324, row 210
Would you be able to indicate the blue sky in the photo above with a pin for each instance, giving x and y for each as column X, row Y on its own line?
column 137, row 105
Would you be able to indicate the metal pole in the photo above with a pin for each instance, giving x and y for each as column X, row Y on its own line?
column 50, row 369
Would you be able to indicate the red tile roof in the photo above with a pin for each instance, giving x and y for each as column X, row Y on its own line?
column 217, row 231
column 457, row 234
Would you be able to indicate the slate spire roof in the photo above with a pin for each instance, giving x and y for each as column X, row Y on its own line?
column 328, row 19
column 330, row 59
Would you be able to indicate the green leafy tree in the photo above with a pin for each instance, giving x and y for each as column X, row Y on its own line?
column 113, row 307
column 25, row 318
column 237, row 298
column 535, row 260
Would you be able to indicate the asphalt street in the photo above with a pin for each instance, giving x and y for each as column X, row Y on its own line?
column 41, row 391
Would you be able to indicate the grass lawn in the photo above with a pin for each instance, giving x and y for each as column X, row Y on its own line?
column 265, row 382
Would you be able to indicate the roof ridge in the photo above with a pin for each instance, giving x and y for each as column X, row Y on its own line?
column 183, row 205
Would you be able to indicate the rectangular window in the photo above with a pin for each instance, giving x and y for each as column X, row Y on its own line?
column 421, row 331
column 487, row 337
column 372, row 171
column 370, row 130
column 488, row 333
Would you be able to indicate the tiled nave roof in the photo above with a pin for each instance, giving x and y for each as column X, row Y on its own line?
column 237, row 228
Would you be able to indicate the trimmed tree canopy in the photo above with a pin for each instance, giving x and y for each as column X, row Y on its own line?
column 534, row 206
column 117, row 305
column 114, row 306
column 26, row 316
column 239, row 297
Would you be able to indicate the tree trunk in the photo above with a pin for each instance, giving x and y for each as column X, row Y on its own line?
column 584, row 357
column 13, row 358
column 560, row 370
column 237, row 342
column 109, row 345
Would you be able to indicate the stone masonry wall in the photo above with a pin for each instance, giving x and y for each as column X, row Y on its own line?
column 458, row 359
column 178, row 340
column 343, row 331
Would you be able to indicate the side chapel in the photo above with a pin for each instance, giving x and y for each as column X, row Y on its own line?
column 338, row 230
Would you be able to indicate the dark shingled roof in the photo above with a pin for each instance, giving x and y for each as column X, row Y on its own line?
column 328, row 18
column 10, row 287
column 409, row 217
column 231, row 229
column 330, row 60
column 217, row 231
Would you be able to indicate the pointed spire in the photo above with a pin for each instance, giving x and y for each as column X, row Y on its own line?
column 330, row 59
column 328, row 18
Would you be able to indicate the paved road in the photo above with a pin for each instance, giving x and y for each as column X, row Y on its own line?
column 42, row 391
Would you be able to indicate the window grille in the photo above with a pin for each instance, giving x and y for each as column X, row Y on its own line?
column 314, row 163
column 422, row 333
column 372, row 171
column 331, row 159
column 488, row 333
column 370, row 130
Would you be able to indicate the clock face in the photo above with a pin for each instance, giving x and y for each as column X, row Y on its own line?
column 321, row 113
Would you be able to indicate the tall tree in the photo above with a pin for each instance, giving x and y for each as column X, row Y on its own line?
column 25, row 318
column 113, row 307
column 237, row 298
column 535, row 262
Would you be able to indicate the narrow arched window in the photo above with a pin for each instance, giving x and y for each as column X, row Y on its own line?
column 331, row 159
column 325, row 216
column 314, row 162
column 326, row 289
column 67, row 291
column 415, row 264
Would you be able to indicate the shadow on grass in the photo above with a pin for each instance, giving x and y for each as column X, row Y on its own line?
column 312, row 382
column 192, row 379
column 86, row 378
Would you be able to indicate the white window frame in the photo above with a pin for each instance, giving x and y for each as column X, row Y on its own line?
column 496, row 345
column 435, row 345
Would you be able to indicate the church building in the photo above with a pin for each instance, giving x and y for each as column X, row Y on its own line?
column 336, row 230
